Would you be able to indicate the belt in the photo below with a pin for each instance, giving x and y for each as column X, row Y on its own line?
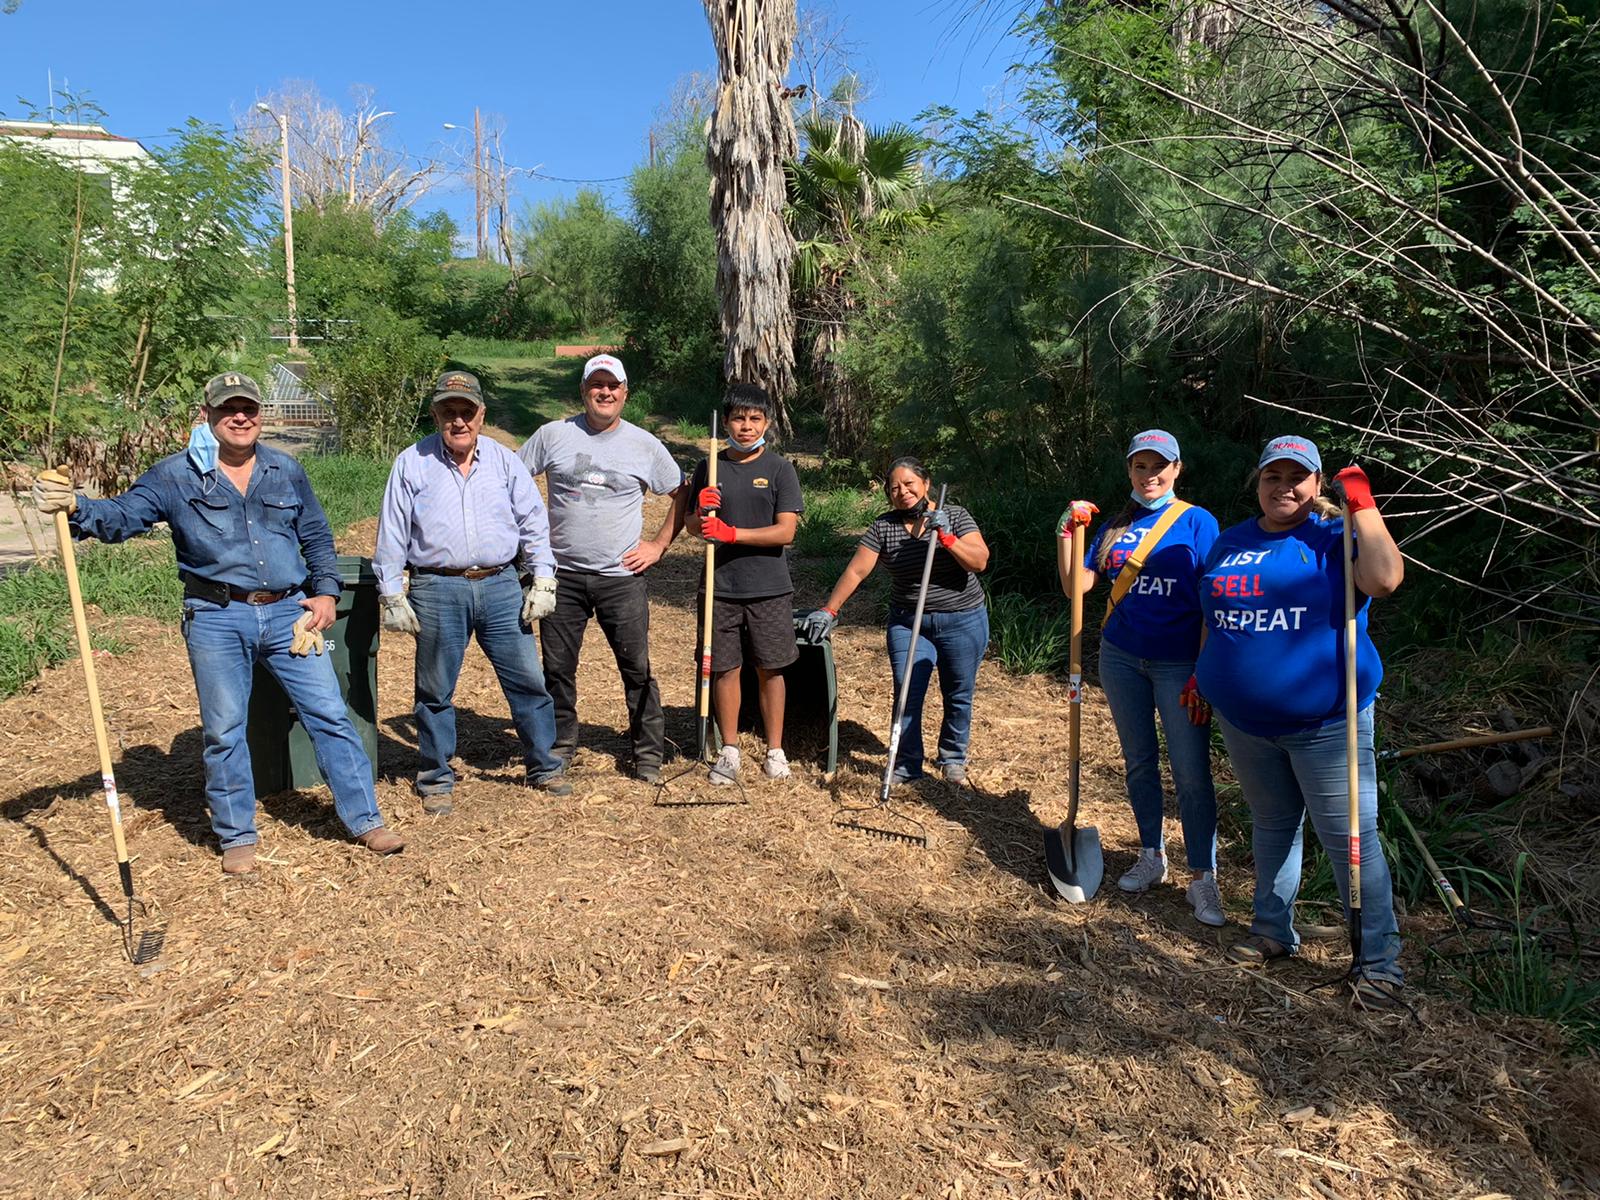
column 222, row 593
column 463, row 572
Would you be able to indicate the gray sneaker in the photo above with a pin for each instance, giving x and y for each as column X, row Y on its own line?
column 554, row 784
column 1150, row 870
column 956, row 773
column 1206, row 900
column 726, row 769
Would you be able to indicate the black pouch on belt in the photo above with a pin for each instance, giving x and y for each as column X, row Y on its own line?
column 196, row 588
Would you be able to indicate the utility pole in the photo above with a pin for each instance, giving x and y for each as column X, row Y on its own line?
column 288, row 224
column 478, row 181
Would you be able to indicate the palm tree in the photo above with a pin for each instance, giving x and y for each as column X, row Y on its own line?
column 749, row 140
column 851, row 184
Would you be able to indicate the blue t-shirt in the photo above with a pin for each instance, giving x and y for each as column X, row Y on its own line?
column 1159, row 618
column 1273, row 661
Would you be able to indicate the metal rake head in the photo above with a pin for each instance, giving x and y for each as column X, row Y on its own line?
column 726, row 794
column 875, row 821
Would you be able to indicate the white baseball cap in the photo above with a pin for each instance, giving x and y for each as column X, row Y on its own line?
column 605, row 362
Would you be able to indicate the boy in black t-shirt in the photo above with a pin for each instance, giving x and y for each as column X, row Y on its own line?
column 752, row 516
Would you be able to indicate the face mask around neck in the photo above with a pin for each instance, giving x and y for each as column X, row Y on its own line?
column 751, row 448
column 1158, row 503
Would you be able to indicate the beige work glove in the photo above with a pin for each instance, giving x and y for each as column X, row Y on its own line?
column 306, row 640
column 538, row 599
column 52, row 493
column 399, row 616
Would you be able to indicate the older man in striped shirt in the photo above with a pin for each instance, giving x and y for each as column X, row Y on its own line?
column 460, row 512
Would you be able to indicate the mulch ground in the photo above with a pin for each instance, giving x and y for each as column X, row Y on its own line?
column 595, row 996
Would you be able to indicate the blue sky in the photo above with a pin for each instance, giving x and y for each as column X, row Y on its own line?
column 577, row 84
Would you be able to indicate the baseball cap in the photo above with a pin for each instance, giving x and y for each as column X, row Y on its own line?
column 605, row 362
column 231, row 385
column 458, row 385
column 1295, row 449
column 1157, row 440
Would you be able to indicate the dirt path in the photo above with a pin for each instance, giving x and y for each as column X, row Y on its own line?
column 597, row 997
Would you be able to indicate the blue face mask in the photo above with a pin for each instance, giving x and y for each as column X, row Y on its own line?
column 755, row 445
column 1158, row 503
column 203, row 448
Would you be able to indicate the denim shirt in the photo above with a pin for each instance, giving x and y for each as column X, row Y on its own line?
column 272, row 538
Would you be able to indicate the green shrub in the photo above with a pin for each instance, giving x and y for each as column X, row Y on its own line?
column 1026, row 636
column 379, row 379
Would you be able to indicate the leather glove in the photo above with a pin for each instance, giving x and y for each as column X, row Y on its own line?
column 306, row 640
column 715, row 529
column 1353, row 487
column 1190, row 698
column 538, row 599
column 399, row 616
column 52, row 493
column 819, row 624
column 1079, row 512
column 710, row 498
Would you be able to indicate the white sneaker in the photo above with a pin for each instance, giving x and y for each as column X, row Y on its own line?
column 777, row 766
column 1150, row 870
column 1206, row 900
column 726, row 769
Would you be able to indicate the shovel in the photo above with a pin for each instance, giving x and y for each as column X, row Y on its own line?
column 1073, row 855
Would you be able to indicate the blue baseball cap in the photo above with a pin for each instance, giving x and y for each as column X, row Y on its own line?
column 1295, row 449
column 1158, row 441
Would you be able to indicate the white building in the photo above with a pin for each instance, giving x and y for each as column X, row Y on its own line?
column 90, row 148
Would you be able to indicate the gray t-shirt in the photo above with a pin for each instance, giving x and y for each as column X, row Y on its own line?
column 596, row 484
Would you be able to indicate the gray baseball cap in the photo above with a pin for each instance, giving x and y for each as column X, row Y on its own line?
column 462, row 385
column 231, row 385
column 1296, row 449
column 1157, row 440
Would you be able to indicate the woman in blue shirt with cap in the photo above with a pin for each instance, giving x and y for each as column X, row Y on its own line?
column 1272, row 665
column 1148, row 644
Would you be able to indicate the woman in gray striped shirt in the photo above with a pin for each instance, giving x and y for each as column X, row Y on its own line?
column 955, row 620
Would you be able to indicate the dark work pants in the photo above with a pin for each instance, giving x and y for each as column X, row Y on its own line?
column 622, row 607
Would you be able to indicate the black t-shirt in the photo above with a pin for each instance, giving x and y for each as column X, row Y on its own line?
column 951, row 587
column 754, row 492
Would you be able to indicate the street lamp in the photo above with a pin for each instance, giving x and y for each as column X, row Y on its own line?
column 480, row 212
column 288, row 222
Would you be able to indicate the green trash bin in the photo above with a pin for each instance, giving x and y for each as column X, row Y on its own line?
column 811, row 716
column 281, row 756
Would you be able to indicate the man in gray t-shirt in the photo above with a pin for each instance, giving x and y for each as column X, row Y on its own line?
column 597, row 469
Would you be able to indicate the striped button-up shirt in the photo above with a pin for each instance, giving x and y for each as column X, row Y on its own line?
column 433, row 516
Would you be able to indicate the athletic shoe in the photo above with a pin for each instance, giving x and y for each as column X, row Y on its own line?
column 777, row 766
column 956, row 773
column 726, row 769
column 1150, row 870
column 436, row 804
column 1206, row 900
column 647, row 772
column 1257, row 950
column 554, row 784
column 382, row 841
column 239, row 860
column 1376, row 993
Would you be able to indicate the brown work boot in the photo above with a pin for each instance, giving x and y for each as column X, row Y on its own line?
column 239, row 860
column 382, row 841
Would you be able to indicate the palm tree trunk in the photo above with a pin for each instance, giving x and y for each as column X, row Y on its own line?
column 751, row 136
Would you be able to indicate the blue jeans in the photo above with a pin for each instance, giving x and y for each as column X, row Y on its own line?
column 225, row 643
column 451, row 610
column 1136, row 689
column 1287, row 777
column 954, row 642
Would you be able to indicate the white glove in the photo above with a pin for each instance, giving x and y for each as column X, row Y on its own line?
column 399, row 616
column 52, row 493
column 306, row 640
column 538, row 599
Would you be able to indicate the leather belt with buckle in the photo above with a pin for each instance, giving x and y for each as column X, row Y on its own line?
column 462, row 572
column 259, row 597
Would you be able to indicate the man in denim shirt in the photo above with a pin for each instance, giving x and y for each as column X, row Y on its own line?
column 256, row 557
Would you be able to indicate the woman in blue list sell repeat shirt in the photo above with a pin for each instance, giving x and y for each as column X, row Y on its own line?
column 1272, row 665
column 1148, row 645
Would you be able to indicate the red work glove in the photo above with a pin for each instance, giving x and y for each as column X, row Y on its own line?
column 1355, row 488
column 715, row 529
column 710, row 498
column 1079, row 512
column 946, row 538
column 1190, row 698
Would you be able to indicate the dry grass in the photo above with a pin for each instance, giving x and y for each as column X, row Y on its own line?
column 597, row 997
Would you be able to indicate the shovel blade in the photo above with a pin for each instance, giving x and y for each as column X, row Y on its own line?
column 1075, row 862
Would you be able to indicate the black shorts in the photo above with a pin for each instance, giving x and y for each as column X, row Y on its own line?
column 761, row 629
